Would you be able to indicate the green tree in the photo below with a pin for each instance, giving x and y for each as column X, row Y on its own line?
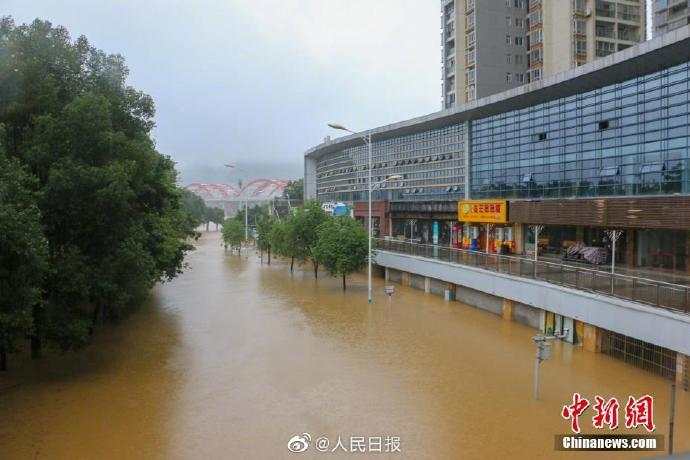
column 304, row 223
column 109, row 205
column 281, row 237
column 23, row 254
column 264, row 228
column 217, row 216
column 233, row 234
column 194, row 206
column 294, row 190
column 341, row 246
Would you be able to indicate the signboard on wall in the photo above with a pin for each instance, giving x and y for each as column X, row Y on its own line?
column 484, row 211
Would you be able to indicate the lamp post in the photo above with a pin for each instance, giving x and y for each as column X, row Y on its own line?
column 367, row 139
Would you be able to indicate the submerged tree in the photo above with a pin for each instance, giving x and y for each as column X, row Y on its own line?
column 264, row 227
column 233, row 234
column 23, row 254
column 341, row 246
column 110, row 209
column 304, row 224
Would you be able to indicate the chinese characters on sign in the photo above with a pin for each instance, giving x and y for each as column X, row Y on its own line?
column 484, row 211
column 638, row 412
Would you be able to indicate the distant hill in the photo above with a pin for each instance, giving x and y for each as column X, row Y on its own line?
column 244, row 171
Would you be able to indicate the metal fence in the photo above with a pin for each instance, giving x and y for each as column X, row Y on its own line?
column 660, row 294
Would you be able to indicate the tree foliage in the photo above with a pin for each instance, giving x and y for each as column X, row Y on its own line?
column 233, row 234
column 107, row 201
column 341, row 246
column 294, row 190
column 23, row 253
column 303, row 230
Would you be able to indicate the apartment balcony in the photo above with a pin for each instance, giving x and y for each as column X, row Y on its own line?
column 606, row 32
column 605, row 10
column 628, row 34
column 469, row 6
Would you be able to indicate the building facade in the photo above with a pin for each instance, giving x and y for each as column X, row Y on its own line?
column 494, row 45
column 669, row 15
column 602, row 146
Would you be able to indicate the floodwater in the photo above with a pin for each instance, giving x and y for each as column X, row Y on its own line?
column 233, row 358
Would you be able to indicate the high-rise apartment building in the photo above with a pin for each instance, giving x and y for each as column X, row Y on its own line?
column 484, row 48
column 493, row 45
column 669, row 15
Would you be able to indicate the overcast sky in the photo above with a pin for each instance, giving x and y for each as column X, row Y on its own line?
column 257, row 80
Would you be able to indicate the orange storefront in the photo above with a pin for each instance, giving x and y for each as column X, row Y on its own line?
column 485, row 226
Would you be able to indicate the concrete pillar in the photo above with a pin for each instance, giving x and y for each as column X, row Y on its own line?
column 687, row 253
column 592, row 339
column 386, row 274
column 427, row 284
column 449, row 292
column 405, row 278
column 682, row 370
column 508, row 309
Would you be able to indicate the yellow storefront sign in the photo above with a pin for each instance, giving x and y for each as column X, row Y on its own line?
column 484, row 211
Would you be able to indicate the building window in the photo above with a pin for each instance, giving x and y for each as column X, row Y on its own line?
column 507, row 39
column 509, row 77
column 508, row 58
column 509, row 21
column 519, row 41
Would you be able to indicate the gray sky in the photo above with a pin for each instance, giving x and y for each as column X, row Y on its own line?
column 257, row 80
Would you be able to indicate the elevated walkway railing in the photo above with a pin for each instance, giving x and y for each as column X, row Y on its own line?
column 648, row 291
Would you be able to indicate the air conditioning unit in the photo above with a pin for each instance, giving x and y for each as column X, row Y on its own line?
column 588, row 12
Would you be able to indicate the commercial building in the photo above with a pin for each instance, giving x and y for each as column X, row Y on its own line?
column 669, row 15
column 494, row 45
column 550, row 168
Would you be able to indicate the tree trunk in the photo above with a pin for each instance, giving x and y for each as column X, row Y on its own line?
column 344, row 287
column 292, row 264
column 269, row 255
column 207, row 223
column 316, row 269
column 35, row 339
column 36, row 347
column 3, row 359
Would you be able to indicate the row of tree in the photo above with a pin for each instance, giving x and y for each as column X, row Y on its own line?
column 195, row 206
column 309, row 234
column 90, row 213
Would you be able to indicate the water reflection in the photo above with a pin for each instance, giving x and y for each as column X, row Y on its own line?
column 235, row 358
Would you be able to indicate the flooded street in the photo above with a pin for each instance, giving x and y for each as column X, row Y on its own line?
column 232, row 359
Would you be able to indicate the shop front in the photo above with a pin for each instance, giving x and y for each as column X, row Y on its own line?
column 485, row 226
column 425, row 222
column 380, row 216
column 654, row 231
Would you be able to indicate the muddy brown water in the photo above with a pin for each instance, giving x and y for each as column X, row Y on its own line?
column 233, row 358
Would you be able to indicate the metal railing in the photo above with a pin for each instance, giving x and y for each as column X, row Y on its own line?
column 657, row 293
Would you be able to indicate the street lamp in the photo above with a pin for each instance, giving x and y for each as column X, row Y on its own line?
column 543, row 353
column 367, row 139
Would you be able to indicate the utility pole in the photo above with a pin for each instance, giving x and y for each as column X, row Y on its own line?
column 671, row 417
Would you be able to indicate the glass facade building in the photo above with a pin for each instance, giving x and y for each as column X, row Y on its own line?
column 431, row 164
column 629, row 138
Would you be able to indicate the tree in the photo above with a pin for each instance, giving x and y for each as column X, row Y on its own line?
column 341, row 246
column 281, row 240
column 294, row 190
column 305, row 222
column 264, row 228
column 194, row 206
column 23, row 254
column 217, row 216
column 109, row 206
column 233, row 234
